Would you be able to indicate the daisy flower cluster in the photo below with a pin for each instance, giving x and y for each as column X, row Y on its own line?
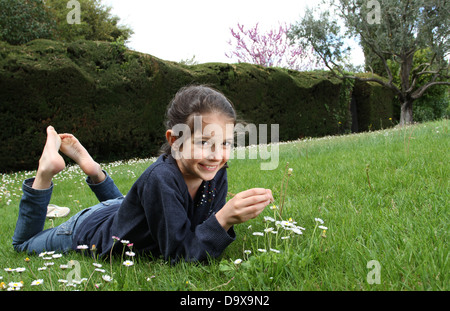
column 319, row 224
column 278, row 235
column 64, row 275
column 51, row 267
column 130, row 254
column 11, row 186
column 13, row 285
column 274, row 236
column 274, row 243
column 48, row 260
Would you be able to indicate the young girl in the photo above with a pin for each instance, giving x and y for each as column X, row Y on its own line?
column 176, row 209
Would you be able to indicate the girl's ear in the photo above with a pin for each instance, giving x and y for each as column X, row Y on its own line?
column 170, row 138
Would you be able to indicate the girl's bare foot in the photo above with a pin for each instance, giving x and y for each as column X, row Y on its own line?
column 72, row 148
column 50, row 163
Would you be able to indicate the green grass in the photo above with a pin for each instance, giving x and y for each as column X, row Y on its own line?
column 383, row 196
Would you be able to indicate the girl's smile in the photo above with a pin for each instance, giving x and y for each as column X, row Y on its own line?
column 210, row 168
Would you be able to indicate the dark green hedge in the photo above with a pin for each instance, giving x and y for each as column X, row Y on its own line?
column 374, row 105
column 114, row 100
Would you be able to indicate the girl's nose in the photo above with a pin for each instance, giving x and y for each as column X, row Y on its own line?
column 215, row 153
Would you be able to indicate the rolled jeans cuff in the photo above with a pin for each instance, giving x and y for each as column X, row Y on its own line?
column 105, row 190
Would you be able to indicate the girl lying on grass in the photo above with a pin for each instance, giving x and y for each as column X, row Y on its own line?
column 176, row 209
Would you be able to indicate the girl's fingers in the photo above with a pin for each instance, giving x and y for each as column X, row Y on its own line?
column 255, row 210
column 254, row 200
column 256, row 192
column 251, row 192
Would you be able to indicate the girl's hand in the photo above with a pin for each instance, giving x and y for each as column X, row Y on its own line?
column 244, row 206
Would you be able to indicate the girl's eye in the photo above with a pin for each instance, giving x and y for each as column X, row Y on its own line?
column 202, row 143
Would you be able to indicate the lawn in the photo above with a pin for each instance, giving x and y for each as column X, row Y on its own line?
column 363, row 211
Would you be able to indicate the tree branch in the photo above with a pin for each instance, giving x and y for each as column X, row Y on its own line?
column 388, row 85
column 419, row 92
column 374, row 49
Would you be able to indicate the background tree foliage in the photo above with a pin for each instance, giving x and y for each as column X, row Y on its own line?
column 391, row 31
column 435, row 102
column 97, row 23
column 22, row 21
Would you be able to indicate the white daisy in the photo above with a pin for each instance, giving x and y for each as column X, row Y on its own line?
column 296, row 230
column 268, row 218
column 128, row 263
column 15, row 285
column 267, row 230
column 37, row 282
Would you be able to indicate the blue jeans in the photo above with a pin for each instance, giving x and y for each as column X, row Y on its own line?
column 28, row 235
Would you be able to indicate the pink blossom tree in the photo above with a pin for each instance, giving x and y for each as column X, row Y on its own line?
column 270, row 49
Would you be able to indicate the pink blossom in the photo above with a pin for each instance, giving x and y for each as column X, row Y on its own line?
column 270, row 49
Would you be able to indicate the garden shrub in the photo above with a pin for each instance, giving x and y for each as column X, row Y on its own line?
column 374, row 105
column 114, row 99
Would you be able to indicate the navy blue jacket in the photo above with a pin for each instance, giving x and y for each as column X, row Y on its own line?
column 159, row 216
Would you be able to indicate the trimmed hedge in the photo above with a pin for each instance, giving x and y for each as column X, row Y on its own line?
column 114, row 100
column 374, row 105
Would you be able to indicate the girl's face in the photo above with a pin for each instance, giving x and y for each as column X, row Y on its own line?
column 208, row 149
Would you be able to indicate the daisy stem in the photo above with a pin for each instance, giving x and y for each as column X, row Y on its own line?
column 276, row 238
column 125, row 285
column 283, row 194
column 282, row 185
column 135, row 273
column 312, row 237
column 121, row 259
column 84, row 260
column 33, row 273
column 87, row 282
column 50, row 279
column 110, row 257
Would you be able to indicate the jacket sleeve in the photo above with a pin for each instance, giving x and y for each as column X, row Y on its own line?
column 164, row 204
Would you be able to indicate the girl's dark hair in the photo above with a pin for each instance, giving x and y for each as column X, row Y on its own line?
column 193, row 101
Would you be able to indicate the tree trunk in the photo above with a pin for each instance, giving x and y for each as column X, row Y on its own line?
column 406, row 113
